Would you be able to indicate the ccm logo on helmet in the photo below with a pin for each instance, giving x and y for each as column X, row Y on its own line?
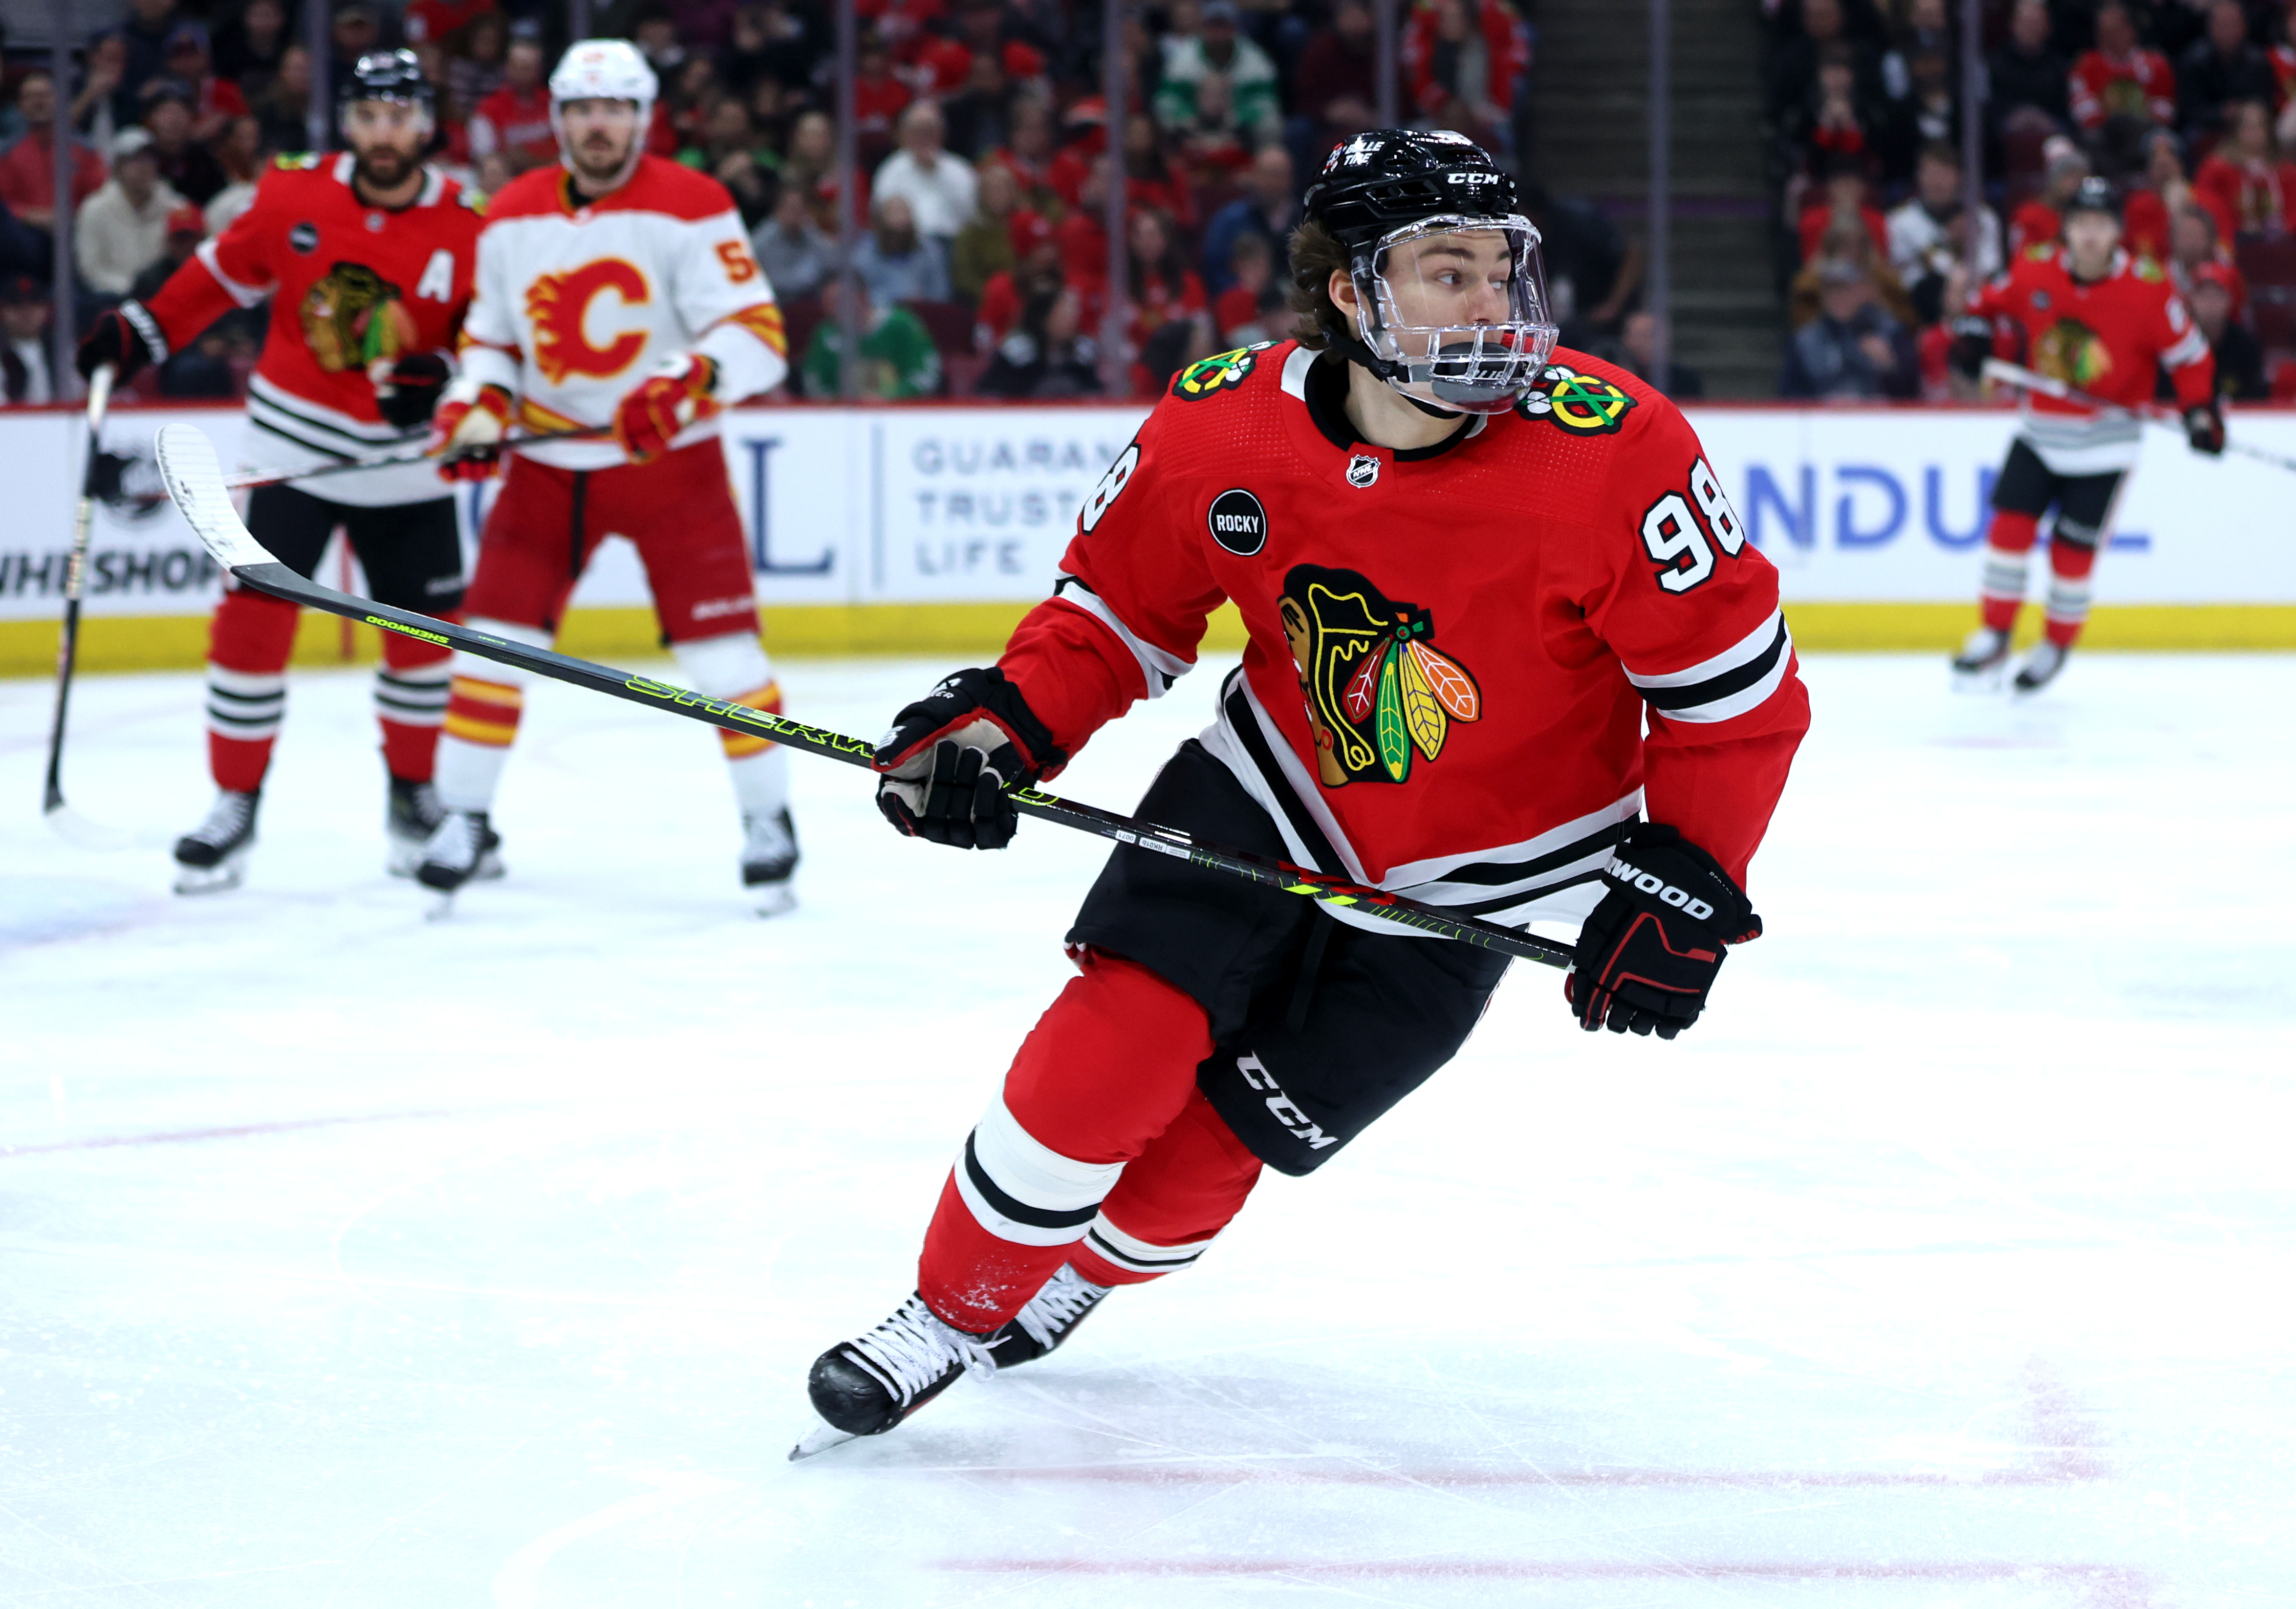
column 1650, row 882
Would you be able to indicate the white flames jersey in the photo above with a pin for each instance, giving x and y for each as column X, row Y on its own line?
column 578, row 301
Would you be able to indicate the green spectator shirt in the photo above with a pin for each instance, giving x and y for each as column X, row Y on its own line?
column 897, row 359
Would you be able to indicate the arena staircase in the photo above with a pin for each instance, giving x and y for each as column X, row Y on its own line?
column 1588, row 121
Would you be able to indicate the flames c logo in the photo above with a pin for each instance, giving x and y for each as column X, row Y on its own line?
column 559, row 305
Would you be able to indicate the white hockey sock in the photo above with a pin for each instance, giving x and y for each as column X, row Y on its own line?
column 761, row 781
column 468, row 773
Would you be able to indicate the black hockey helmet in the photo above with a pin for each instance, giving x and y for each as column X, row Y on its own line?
column 1408, row 207
column 2094, row 195
column 387, row 75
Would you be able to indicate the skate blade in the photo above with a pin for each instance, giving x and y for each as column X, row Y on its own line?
column 441, row 906
column 1978, row 684
column 405, row 856
column 224, row 875
column 774, row 899
column 820, row 1438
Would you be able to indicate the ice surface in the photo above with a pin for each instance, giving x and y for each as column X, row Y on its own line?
column 355, row 1261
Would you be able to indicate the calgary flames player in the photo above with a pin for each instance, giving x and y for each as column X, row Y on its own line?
column 1470, row 578
column 617, row 292
column 366, row 258
column 2105, row 324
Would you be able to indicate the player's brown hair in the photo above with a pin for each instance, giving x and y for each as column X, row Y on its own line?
column 1315, row 256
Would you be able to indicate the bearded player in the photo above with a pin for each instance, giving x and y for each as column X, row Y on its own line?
column 1471, row 580
column 367, row 259
column 2105, row 324
column 615, row 292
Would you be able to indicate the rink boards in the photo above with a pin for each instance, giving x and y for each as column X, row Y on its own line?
column 930, row 529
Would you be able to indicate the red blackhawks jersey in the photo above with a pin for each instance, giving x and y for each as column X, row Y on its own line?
column 2110, row 338
column 351, row 287
column 1469, row 667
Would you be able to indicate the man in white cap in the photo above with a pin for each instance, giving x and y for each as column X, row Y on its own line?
column 122, row 229
column 617, row 294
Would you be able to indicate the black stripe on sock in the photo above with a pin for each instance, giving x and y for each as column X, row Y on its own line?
column 1125, row 1259
column 1018, row 1210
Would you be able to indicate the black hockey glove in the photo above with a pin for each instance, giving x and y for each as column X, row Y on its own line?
column 1648, row 953
column 1973, row 344
column 951, row 755
column 116, row 338
column 2204, row 428
column 407, row 394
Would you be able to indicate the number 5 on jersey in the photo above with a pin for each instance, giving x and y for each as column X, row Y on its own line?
column 1679, row 542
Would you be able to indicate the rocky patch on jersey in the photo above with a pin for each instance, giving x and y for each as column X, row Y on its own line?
column 1377, row 689
column 1221, row 371
column 355, row 317
column 1581, row 404
column 2069, row 351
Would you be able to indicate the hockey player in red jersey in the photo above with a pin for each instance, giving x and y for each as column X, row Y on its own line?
column 367, row 259
column 1471, row 577
column 616, row 293
column 2105, row 324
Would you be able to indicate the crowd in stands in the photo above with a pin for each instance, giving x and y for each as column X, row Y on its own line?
column 2186, row 106
column 983, row 261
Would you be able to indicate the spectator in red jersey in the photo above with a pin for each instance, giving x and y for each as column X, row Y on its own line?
column 514, row 121
column 1252, row 307
column 1037, row 265
column 2222, row 68
column 1028, row 154
column 2245, row 184
column 1172, row 317
column 248, row 47
column 984, row 248
column 1084, row 241
column 437, row 21
column 2121, row 78
column 28, row 167
column 878, row 98
column 215, row 100
column 2036, row 223
column 1462, row 60
column 189, row 168
column 1150, row 180
column 1084, row 135
column 2153, row 198
column 1846, row 200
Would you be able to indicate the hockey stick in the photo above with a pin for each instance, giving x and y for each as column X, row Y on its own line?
column 508, row 444
column 187, row 464
column 69, row 823
column 2024, row 379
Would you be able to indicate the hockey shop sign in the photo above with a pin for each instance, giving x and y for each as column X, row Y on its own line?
column 931, row 504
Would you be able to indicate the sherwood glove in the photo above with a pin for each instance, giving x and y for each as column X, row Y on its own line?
column 471, row 429
column 406, row 391
column 124, row 337
column 951, row 755
column 681, row 395
column 2204, row 428
column 1648, row 955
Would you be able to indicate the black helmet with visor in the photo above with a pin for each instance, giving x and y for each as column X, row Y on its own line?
column 1451, row 303
column 387, row 74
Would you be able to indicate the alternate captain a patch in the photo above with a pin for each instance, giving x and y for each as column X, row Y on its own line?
column 1221, row 371
column 1377, row 688
column 1585, row 404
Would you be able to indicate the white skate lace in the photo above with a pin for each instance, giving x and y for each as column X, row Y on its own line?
column 227, row 821
column 1050, row 1312
column 455, row 843
column 763, row 841
column 913, row 1347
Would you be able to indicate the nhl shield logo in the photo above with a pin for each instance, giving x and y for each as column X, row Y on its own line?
column 1363, row 471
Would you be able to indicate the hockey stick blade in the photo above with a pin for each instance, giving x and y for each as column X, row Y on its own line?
column 194, row 479
column 509, row 444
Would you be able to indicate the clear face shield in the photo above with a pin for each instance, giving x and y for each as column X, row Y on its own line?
column 1459, row 305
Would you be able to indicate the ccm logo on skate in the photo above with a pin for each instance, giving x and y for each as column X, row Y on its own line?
column 1238, row 523
column 1650, row 882
column 1302, row 1127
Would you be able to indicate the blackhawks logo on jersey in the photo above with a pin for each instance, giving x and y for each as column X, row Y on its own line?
column 354, row 317
column 1221, row 371
column 2069, row 351
column 1377, row 688
column 1582, row 403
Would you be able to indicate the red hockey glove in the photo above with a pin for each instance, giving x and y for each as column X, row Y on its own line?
column 679, row 397
column 124, row 337
column 2204, row 428
column 466, row 434
column 1648, row 955
column 951, row 755
column 406, row 391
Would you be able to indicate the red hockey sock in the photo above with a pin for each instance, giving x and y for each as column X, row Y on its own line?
column 2070, row 566
column 2008, row 542
column 248, row 642
column 1103, row 1074
column 1170, row 1201
column 410, row 703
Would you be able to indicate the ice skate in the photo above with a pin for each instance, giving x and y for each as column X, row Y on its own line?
column 865, row 1386
column 2040, row 666
column 412, row 816
column 1050, row 1318
column 463, row 850
column 212, row 857
column 768, row 861
column 1977, row 667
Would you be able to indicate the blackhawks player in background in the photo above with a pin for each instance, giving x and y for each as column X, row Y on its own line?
column 1470, row 580
column 366, row 258
column 2105, row 324
column 615, row 292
